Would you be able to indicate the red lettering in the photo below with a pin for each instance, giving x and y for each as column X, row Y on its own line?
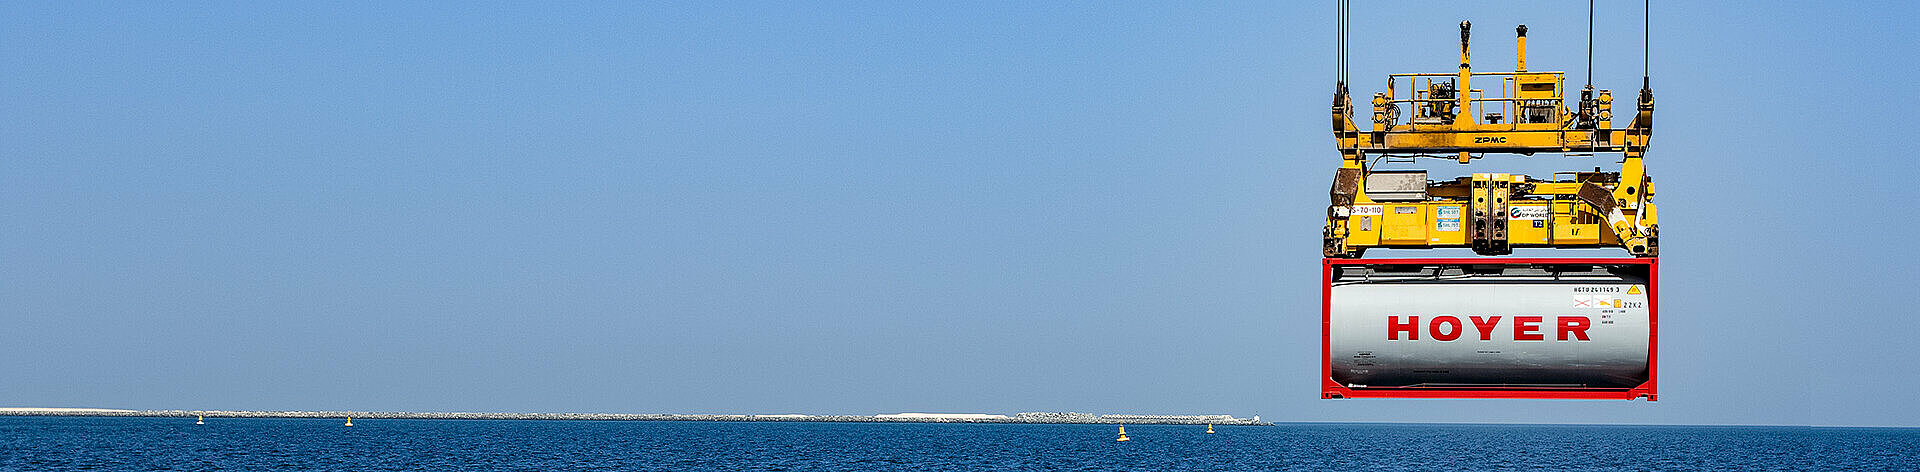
column 1485, row 325
column 1527, row 328
column 1572, row 324
column 1433, row 328
column 1394, row 327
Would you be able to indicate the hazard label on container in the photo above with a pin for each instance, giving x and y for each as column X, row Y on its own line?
column 1595, row 301
column 1367, row 210
column 1528, row 212
column 1635, row 290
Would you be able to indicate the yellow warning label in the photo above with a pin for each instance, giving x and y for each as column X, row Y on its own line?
column 1634, row 290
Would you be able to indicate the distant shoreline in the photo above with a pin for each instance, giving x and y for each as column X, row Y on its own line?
column 1019, row 418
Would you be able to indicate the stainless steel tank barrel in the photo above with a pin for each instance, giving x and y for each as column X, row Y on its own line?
column 1489, row 325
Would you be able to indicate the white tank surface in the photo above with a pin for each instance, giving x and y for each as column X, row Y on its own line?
column 1489, row 326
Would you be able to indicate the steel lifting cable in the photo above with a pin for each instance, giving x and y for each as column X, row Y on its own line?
column 1590, row 43
column 1340, row 41
column 1592, row 141
column 1346, row 38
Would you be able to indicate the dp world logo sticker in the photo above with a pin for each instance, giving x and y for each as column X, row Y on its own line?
column 1528, row 212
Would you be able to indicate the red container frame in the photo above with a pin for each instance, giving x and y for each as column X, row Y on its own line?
column 1649, row 390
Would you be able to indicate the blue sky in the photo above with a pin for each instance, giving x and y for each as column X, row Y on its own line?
column 876, row 207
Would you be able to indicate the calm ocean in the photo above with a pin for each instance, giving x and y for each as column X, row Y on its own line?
column 63, row 443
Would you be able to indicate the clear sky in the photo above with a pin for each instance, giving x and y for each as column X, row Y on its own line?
column 813, row 207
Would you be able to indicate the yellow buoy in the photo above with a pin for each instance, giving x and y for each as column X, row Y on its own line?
column 1209, row 428
column 200, row 419
column 349, row 421
column 1123, row 434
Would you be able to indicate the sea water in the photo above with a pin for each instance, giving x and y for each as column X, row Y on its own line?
column 81, row 443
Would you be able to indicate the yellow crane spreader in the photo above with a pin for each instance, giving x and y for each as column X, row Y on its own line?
column 1443, row 115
